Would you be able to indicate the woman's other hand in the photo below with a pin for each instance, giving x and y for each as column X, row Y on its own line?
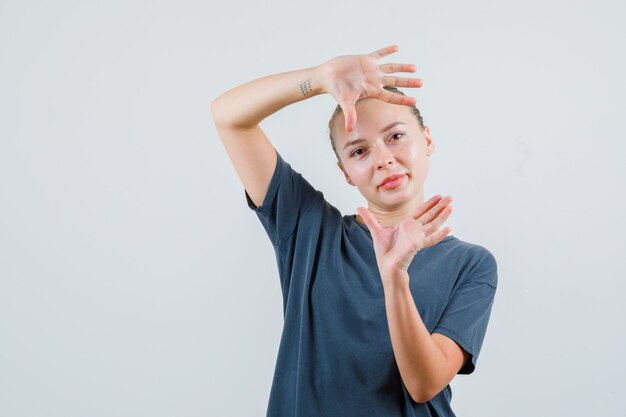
column 351, row 77
column 396, row 246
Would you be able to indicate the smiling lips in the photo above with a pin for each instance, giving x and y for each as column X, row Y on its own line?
column 392, row 181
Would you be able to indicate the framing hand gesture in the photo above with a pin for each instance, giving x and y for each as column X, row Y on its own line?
column 351, row 77
column 396, row 246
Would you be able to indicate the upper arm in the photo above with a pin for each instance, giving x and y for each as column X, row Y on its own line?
column 253, row 156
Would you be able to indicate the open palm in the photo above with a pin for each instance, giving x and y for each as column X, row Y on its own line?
column 396, row 246
column 352, row 77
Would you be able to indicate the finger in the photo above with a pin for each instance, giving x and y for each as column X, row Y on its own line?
column 349, row 114
column 392, row 67
column 434, row 212
column 421, row 210
column 369, row 219
column 384, row 51
column 403, row 82
column 430, row 228
column 394, row 98
column 437, row 237
column 350, row 120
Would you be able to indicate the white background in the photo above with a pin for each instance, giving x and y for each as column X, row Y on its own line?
column 135, row 281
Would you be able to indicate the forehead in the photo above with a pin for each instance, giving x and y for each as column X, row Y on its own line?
column 372, row 116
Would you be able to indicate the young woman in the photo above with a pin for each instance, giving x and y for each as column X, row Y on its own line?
column 381, row 308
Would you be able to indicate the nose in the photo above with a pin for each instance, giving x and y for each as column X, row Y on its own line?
column 384, row 158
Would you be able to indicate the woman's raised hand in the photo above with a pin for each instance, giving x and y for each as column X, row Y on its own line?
column 351, row 77
column 396, row 246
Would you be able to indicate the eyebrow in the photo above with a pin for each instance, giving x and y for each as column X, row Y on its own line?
column 383, row 130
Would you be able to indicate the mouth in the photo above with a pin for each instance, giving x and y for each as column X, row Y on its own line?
column 392, row 181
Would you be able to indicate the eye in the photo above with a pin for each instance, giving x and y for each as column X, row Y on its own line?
column 396, row 134
column 357, row 152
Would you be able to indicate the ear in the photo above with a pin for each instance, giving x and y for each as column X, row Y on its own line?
column 340, row 165
column 430, row 145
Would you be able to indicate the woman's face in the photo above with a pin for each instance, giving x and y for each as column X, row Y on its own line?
column 387, row 141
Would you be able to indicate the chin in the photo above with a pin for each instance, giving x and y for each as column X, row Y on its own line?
column 395, row 200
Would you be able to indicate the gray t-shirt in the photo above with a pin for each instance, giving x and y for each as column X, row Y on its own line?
column 335, row 357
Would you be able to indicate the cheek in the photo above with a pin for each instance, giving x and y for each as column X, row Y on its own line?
column 412, row 154
column 415, row 156
column 360, row 174
column 358, row 169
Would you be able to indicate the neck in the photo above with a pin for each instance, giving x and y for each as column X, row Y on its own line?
column 389, row 217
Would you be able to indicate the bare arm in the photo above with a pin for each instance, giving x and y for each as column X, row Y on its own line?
column 238, row 112
column 245, row 106
column 427, row 363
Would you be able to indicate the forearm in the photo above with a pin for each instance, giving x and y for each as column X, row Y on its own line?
column 247, row 105
column 419, row 359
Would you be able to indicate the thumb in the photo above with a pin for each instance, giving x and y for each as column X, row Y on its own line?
column 370, row 221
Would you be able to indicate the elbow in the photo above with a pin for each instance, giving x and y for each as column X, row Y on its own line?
column 420, row 398
column 224, row 117
column 215, row 110
column 422, row 395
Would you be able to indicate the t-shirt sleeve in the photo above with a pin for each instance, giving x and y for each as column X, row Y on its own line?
column 466, row 316
column 289, row 197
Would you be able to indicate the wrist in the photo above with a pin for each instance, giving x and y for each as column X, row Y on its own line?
column 310, row 82
column 322, row 75
column 394, row 280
